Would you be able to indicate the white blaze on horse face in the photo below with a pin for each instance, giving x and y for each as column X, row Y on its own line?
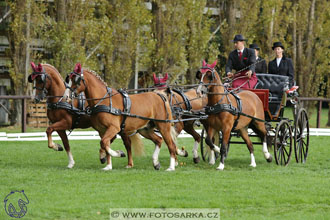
column 199, row 88
column 253, row 161
column 155, row 155
column 67, row 91
column 265, row 150
column 194, row 151
column 71, row 161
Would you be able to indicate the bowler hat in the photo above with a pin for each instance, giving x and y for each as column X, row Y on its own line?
column 239, row 37
column 254, row 46
column 277, row 44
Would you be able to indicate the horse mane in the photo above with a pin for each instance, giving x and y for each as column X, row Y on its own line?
column 55, row 70
column 97, row 76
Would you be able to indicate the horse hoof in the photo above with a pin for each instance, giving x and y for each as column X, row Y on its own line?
column 71, row 165
column 58, row 147
column 103, row 160
column 186, row 154
column 253, row 165
column 170, row 169
column 122, row 154
column 157, row 167
column 270, row 159
column 107, row 168
column 196, row 159
column 221, row 166
column 129, row 166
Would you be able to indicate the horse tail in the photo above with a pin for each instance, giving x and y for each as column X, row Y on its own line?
column 137, row 145
column 174, row 134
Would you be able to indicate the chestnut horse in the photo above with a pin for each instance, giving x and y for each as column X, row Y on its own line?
column 226, row 121
column 111, row 116
column 190, row 100
column 63, row 116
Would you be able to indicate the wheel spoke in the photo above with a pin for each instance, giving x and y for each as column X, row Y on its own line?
column 286, row 152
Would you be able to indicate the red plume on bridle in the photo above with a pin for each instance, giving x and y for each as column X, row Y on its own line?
column 207, row 67
column 160, row 82
column 76, row 70
column 37, row 70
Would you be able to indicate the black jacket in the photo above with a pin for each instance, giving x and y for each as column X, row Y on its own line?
column 285, row 68
column 261, row 66
column 248, row 58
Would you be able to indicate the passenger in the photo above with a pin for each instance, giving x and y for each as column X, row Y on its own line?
column 281, row 65
column 261, row 65
column 241, row 59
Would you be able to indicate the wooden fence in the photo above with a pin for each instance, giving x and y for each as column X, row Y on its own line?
column 37, row 114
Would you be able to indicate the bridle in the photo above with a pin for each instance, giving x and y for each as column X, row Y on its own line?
column 77, row 81
column 43, row 76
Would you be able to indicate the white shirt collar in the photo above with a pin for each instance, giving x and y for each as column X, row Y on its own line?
column 240, row 50
column 278, row 61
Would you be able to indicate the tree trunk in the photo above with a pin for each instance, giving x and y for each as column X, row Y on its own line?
column 294, row 39
column 328, row 123
column 61, row 10
column 309, row 48
column 231, row 18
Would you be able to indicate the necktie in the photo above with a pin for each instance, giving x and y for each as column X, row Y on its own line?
column 240, row 55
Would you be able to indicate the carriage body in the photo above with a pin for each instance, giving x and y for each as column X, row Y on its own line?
column 284, row 134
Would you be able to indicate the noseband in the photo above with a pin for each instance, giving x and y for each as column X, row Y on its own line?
column 43, row 75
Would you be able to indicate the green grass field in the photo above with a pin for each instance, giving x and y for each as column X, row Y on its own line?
column 298, row 191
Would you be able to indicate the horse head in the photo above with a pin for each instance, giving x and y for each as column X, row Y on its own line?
column 160, row 82
column 75, row 77
column 207, row 76
column 41, row 84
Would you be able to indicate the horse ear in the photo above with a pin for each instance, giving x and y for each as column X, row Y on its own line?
column 214, row 64
column 77, row 68
column 165, row 77
column 33, row 66
column 204, row 63
column 39, row 68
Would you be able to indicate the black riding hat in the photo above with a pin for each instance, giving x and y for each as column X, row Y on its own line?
column 277, row 44
column 254, row 46
column 239, row 37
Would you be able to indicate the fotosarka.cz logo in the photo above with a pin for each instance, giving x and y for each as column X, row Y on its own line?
column 15, row 204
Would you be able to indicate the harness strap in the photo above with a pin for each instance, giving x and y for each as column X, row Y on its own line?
column 185, row 99
column 127, row 107
column 239, row 105
column 163, row 97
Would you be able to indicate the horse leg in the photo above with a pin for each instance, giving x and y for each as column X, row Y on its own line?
column 246, row 138
column 260, row 129
column 105, row 145
column 168, row 133
column 224, row 146
column 151, row 135
column 127, row 143
column 208, row 140
column 57, row 126
column 189, row 128
column 65, row 142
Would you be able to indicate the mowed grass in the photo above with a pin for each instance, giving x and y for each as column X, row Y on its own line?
column 298, row 191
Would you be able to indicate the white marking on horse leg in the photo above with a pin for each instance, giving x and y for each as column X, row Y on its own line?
column 180, row 152
column 109, row 166
column 221, row 166
column 155, row 155
column 172, row 164
column 216, row 148
column 195, row 150
column 253, row 162
column 113, row 153
column 212, row 157
column 53, row 146
column 265, row 150
column 71, row 161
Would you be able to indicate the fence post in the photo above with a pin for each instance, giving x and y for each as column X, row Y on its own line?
column 24, row 115
column 319, row 111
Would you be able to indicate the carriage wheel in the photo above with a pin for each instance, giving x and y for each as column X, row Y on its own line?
column 204, row 150
column 283, row 143
column 301, row 136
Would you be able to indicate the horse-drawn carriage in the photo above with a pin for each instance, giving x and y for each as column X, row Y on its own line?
column 283, row 133
column 113, row 112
